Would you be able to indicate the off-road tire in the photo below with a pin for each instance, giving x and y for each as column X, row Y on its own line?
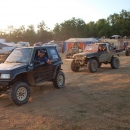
column 20, row 93
column 92, row 65
column 99, row 65
column 115, row 63
column 126, row 53
column 0, row 93
column 59, row 80
column 73, row 67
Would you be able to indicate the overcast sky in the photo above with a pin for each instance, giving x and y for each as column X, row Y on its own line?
column 26, row 12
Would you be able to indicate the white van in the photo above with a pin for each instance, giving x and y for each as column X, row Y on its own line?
column 22, row 44
column 5, row 49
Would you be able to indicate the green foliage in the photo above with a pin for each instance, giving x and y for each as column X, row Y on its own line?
column 43, row 35
column 102, row 27
column 119, row 23
column 70, row 28
column 114, row 24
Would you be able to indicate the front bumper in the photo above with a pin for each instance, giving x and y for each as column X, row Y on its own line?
column 79, row 60
column 4, row 85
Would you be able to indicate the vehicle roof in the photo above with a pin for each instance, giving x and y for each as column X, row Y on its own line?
column 99, row 43
column 102, row 43
column 37, row 47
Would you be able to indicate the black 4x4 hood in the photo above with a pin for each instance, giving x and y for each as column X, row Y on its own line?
column 12, row 66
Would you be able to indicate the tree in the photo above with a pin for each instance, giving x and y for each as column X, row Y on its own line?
column 91, row 26
column 57, row 32
column 102, row 28
column 43, row 35
column 19, row 34
column 124, row 22
column 30, row 34
column 114, row 24
column 70, row 28
column 10, row 31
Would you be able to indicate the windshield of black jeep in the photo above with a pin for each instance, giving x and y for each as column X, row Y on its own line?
column 91, row 47
column 21, row 55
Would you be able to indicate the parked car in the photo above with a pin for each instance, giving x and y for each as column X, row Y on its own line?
column 9, row 43
column 22, row 44
column 5, row 49
column 38, row 44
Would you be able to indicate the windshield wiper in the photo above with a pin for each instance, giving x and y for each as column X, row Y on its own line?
column 8, row 61
column 14, row 62
column 19, row 62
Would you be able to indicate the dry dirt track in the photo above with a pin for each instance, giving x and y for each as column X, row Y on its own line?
column 89, row 101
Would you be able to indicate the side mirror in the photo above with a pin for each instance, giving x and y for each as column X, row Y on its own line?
column 36, row 62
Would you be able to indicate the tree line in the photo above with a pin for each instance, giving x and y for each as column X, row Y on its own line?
column 75, row 27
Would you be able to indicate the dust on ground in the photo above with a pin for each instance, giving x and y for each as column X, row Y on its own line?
column 89, row 101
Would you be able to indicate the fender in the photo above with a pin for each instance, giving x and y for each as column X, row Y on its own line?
column 17, row 72
column 58, row 67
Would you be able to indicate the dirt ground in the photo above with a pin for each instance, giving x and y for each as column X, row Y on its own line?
column 89, row 101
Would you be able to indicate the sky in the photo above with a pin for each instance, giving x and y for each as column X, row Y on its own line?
column 32, row 12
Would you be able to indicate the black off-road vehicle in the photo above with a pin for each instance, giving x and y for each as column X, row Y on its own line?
column 20, row 71
column 93, row 57
column 127, row 51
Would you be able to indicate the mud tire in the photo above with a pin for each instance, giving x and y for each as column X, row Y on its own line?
column 73, row 67
column 59, row 80
column 92, row 65
column 20, row 93
column 115, row 63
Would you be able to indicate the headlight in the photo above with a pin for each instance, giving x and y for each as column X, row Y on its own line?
column 73, row 56
column 5, row 76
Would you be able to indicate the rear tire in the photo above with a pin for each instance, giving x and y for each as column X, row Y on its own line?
column 92, row 65
column 115, row 63
column 20, row 93
column 74, row 67
column 59, row 80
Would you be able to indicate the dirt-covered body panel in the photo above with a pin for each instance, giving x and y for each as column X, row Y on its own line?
column 101, row 52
